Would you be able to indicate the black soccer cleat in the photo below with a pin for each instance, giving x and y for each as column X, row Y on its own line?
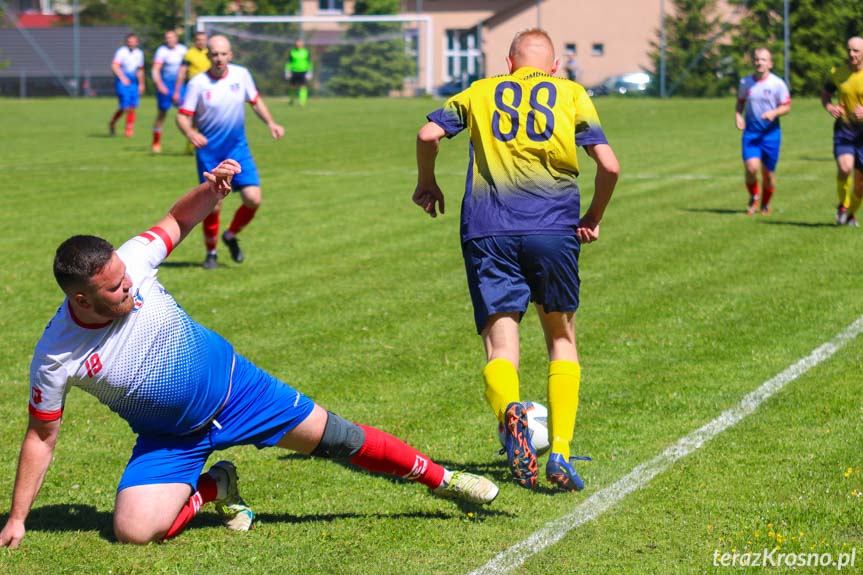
column 234, row 247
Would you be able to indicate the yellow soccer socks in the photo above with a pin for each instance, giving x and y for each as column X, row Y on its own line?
column 501, row 385
column 564, row 378
column 843, row 190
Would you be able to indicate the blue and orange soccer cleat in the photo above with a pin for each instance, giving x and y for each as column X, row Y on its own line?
column 519, row 449
column 562, row 474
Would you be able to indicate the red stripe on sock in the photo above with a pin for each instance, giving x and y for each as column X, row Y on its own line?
column 753, row 189
column 383, row 453
column 186, row 513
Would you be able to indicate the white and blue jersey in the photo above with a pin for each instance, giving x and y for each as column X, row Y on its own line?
column 158, row 369
column 130, row 61
column 218, row 105
column 760, row 96
column 170, row 59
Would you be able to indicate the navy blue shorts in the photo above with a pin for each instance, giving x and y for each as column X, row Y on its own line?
column 762, row 145
column 260, row 411
column 848, row 139
column 506, row 273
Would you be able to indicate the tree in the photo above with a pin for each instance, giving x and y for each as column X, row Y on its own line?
column 373, row 62
column 697, row 63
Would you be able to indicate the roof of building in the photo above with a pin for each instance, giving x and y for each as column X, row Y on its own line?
column 38, row 52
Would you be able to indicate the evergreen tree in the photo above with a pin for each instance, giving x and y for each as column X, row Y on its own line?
column 696, row 63
column 819, row 32
column 374, row 62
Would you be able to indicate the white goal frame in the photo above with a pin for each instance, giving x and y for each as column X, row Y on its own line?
column 428, row 49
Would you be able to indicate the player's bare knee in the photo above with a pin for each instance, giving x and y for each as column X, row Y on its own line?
column 341, row 439
column 132, row 532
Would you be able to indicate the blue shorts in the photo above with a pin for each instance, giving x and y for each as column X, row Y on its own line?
column 127, row 96
column 166, row 102
column 764, row 146
column 207, row 160
column 260, row 411
column 848, row 139
column 506, row 273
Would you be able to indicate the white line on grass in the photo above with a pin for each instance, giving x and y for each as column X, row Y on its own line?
column 602, row 500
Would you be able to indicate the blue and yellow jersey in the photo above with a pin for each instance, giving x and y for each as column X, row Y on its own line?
column 849, row 84
column 524, row 128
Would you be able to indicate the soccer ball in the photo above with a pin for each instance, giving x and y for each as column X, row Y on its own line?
column 537, row 425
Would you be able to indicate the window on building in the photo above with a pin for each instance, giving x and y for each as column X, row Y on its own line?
column 462, row 54
column 331, row 5
column 597, row 49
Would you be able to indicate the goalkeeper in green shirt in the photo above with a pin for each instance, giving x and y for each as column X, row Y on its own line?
column 297, row 70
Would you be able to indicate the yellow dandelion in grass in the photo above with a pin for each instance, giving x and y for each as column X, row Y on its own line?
column 756, row 534
column 853, row 493
column 780, row 538
column 771, row 534
column 800, row 533
column 709, row 528
column 470, row 514
column 849, row 472
column 770, row 526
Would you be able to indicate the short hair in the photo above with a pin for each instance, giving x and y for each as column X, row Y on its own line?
column 80, row 258
column 131, row 35
column 529, row 33
column 200, row 33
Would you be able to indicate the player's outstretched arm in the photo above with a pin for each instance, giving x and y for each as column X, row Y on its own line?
column 427, row 193
column 276, row 130
column 196, row 204
column 607, row 172
column 33, row 462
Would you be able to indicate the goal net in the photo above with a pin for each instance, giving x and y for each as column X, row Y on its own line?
column 350, row 55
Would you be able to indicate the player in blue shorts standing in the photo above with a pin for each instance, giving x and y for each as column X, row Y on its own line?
column 761, row 99
column 166, row 65
column 521, row 230
column 128, row 69
column 217, row 101
column 182, row 388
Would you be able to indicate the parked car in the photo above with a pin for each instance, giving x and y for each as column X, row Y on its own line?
column 456, row 85
column 634, row 83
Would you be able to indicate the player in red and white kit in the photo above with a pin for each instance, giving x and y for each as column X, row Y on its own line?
column 217, row 101
column 182, row 388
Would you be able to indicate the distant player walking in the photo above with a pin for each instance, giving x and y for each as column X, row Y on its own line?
column 761, row 99
column 847, row 80
column 183, row 389
column 166, row 65
column 216, row 101
column 521, row 230
column 128, row 69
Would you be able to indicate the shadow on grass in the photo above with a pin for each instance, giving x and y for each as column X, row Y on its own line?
column 805, row 158
column 71, row 517
column 799, row 224
column 720, row 211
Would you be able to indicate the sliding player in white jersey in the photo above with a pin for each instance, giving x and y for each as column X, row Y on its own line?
column 217, row 102
column 166, row 66
column 182, row 388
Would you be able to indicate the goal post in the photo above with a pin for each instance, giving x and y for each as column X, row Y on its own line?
column 351, row 55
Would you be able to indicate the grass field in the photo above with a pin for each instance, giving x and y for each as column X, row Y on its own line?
column 352, row 295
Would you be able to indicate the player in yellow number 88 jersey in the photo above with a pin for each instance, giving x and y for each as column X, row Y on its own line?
column 521, row 230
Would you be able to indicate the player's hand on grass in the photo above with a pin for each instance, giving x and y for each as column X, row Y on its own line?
column 221, row 176
column 12, row 534
column 276, row 131
column 587, row 230
column 426, row 196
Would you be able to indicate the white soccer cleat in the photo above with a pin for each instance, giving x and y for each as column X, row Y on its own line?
column 231, row 508
column 469, row 487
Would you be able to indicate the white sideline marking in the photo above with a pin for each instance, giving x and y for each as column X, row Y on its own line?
column 640, row 476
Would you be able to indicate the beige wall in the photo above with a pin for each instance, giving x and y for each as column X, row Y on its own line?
column 625, row 29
